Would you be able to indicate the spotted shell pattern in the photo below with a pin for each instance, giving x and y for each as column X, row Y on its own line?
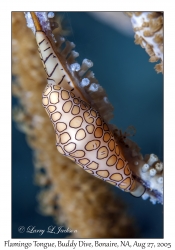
column 83, row 136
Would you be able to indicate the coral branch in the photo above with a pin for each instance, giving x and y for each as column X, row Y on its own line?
column 148, row 27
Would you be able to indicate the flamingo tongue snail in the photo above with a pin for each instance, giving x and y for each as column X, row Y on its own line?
column 81, row 133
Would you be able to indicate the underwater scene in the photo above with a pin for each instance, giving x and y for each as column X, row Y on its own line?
column 52, row 197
